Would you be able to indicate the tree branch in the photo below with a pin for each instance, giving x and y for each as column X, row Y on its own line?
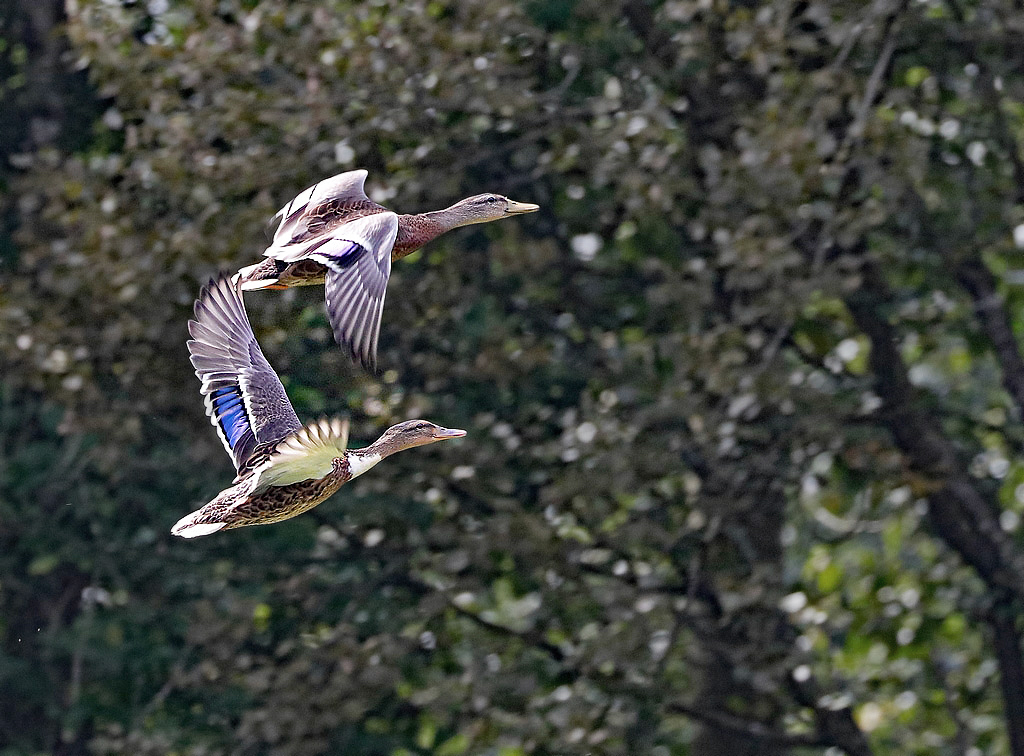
column 974, row 276
column 836, row 726
column 1003, row 133
column 1007, row 639
column 961, row 516
column 856, row 130
column 748, row 728
column 529, row 637
column 980, row 283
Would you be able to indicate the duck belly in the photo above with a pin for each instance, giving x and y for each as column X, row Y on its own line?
column 278, row 503
column 274, row 274
column 302, row 273
column 236, row 507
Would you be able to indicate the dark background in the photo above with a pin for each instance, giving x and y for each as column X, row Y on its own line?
column 744, row 471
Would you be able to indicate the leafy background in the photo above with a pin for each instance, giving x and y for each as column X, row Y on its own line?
column 744, row 472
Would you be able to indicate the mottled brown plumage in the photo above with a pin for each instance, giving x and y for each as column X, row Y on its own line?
column 238, row 506
column 284, row 469
column 328, row 235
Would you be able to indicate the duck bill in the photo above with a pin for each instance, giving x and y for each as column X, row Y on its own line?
column 440, row 433
column 518, row 208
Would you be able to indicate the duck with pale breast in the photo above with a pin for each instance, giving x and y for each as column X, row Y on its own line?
column 333, row 234
column 284, row 468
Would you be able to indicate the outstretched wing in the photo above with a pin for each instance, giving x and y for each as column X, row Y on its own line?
column 358, row 261
column 317, row 203
column 357, row 281
column 245, row 400
column 356, row 253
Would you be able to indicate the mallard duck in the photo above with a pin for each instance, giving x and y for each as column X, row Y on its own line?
column 283, row 468
column 332, row 233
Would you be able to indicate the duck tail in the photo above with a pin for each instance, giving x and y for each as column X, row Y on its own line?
column 195, row 525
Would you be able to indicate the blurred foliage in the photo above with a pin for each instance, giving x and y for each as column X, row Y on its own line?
column 684, row 520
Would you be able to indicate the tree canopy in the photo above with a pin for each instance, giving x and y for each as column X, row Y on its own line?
column 745, row 463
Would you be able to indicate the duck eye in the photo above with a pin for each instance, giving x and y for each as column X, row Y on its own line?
column 492, row 199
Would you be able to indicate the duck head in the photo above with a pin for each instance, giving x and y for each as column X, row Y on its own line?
column 415, row 433
column 483, row 208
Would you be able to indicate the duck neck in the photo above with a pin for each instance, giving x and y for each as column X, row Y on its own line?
column 361, row 460
column 416, row 230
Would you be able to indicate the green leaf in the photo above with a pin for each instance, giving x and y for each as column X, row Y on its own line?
column 915, row 75
column 43, row 565
column 830, row 578
column 427, row 733
column 454, row 746
column 261, row 616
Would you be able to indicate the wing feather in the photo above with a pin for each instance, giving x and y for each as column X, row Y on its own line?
column 357, row 255
column 344, row 188
column 308, row 453
column 358, row 268
column 244, row 398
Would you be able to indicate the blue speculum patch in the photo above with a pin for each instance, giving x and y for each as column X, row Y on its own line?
column 350, row 255
column 342, row 258
column 230, row 411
